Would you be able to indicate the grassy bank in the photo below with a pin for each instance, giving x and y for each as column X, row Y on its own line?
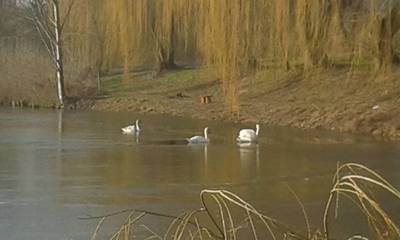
column 266, row 58
column 357, row 103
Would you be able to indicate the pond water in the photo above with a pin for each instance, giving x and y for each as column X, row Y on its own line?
column 56, row 167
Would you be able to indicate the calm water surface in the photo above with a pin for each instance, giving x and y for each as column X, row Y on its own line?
column 58, row 166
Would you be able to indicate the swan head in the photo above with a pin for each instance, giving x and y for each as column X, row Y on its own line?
column 257, row 129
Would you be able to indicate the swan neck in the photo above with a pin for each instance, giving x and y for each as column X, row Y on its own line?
column 205, row 133
column 137, row 125
column 257, row 130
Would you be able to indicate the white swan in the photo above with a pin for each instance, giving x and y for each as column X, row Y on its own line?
column 248, row 135
column 199, row 139
column 131, row 129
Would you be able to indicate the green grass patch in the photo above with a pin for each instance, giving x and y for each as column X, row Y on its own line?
column 144, row 82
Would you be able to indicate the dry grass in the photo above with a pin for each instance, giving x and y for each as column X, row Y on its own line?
column 357, row 182
column 225, row 215
column 242, row 37
column 238, row 38
column 27, row 75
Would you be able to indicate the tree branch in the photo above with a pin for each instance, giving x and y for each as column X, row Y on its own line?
column 49, row 46
column 67, row 15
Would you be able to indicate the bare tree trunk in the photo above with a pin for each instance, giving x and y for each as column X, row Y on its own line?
column 166, row 54
column 171, row 54
column 45, row 14
column 98, row 82
column 59, row 54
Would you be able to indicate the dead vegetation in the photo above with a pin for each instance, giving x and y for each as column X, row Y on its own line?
column 27, row 77
column 239, row 39
column 224, row 215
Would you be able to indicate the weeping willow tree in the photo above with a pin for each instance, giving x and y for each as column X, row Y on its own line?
column 220, row 43
column 133, row 33
column 243, row 36
column 285, row 35
column 382, row 24
column 85, row 33
column 313, row 20
column 237, row 38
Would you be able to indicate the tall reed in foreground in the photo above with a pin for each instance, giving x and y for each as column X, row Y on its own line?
column 224, row 215
column 357, row 182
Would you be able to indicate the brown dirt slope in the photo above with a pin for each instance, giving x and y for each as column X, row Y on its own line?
column 331, row 100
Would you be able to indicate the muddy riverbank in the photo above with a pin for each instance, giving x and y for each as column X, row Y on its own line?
column 340, row 102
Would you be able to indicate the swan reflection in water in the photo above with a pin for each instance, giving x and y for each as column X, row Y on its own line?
column 249, row 152
column 137, row 135
column 197, row 146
